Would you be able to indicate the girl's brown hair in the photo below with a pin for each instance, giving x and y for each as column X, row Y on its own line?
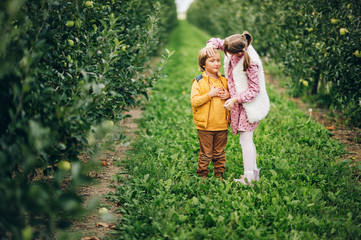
column 238, row 43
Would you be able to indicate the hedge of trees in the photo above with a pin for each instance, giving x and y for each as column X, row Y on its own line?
column 317, row 42
column 68, row 70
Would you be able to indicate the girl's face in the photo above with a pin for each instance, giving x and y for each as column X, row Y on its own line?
column 240, row 54
column 213, row 64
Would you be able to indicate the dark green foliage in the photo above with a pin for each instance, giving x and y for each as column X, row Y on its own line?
column 65, row 67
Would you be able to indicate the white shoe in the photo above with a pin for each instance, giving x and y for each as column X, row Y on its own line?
column 243, row 180
column 256, row 174
column 254, row 177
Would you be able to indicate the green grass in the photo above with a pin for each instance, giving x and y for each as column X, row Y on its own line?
column 305, row 191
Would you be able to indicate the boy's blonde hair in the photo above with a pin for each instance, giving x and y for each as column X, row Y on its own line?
column 202, row 58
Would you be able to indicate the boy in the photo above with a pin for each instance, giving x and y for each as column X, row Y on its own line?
column 209, row 93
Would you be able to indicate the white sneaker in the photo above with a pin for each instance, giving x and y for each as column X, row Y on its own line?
column 256, row 174
column 243, row 180
column 254, row 177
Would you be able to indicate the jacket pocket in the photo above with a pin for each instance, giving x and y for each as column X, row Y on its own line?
column 199, row 115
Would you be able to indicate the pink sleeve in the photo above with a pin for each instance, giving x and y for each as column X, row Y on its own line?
column 217, row 42
column 253, row 85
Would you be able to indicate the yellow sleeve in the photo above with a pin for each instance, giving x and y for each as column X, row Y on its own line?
column 196, row 98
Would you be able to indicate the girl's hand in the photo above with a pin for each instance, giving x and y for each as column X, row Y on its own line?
column 229, row 103
column 210, row 49
column 223, row 94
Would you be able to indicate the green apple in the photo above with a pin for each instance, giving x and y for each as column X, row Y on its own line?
column 343, row 31
column 27, row 233
column 109, row 124
column 70, row 42
column 304, row 82
column 68, row 57
column 64, row 165
column 69, row 24
column 357, row 53
column 334, row 21
column 89, row 4
column 103, row 210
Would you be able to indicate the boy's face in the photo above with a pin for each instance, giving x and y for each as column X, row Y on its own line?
column 213, row 64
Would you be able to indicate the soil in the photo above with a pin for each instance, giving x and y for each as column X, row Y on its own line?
column 94, row 226
column 89, row 227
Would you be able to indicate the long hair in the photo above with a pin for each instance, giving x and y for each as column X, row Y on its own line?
column 238, row 43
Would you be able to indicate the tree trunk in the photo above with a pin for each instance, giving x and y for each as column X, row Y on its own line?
column 316, row 81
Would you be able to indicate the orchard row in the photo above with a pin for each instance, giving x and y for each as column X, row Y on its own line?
column 68, row 69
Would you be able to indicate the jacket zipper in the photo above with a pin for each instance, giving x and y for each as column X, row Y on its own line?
column 209, row 109
column 210, row 102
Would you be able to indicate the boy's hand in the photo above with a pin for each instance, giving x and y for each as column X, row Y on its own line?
column 229, row 103
column 214, row 91
column 223, row 94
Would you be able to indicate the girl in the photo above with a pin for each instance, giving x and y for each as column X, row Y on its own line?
column 249, row 100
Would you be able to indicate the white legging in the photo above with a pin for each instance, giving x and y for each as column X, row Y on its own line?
column 249, row 152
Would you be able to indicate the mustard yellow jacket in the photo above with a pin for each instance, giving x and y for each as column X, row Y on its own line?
column 201, row 102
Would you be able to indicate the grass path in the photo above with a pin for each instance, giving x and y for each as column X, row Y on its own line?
column 305, row 192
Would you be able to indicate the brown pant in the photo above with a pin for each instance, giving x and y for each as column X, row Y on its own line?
column 212, row 145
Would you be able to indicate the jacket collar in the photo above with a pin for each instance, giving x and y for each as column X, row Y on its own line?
column 205, row 76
